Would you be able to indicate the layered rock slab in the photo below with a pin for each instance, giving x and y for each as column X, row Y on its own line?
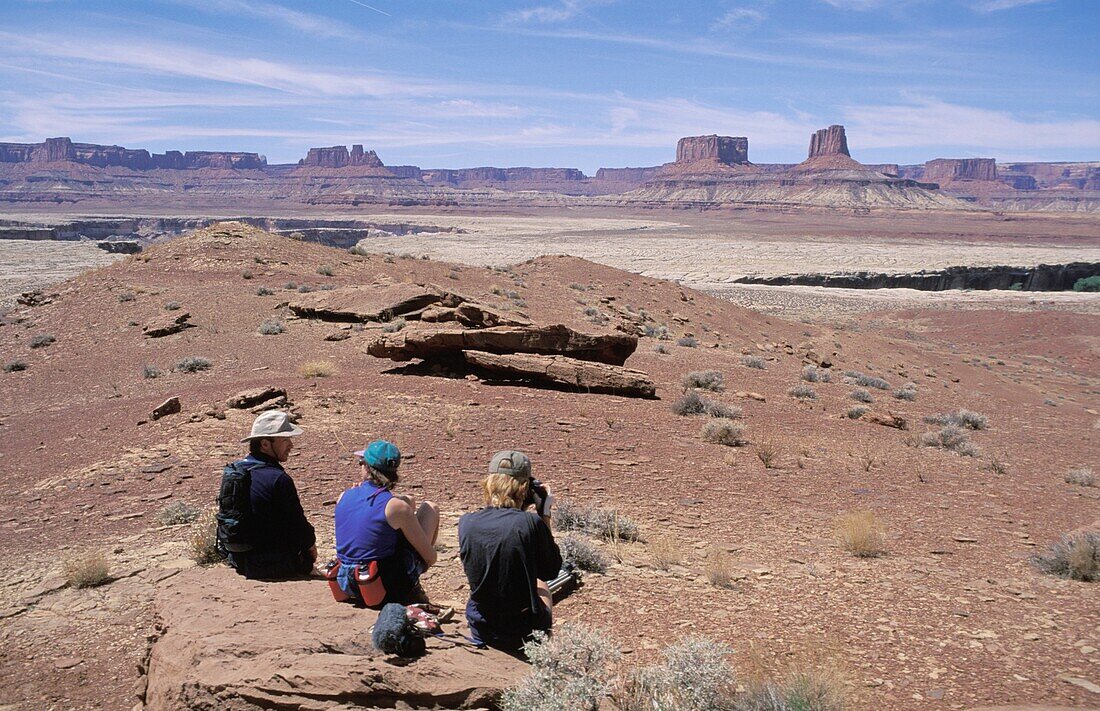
column 363, row 304
column 561, row 370
column 448, row 343
column 237, row 645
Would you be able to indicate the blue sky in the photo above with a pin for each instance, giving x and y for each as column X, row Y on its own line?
column 571, row 83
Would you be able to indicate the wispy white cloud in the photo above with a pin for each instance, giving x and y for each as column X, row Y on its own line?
column 930, row 122
column 997, row 5
column 308, row 23
column 856, row 4
column 561, row 11
column 740, row 17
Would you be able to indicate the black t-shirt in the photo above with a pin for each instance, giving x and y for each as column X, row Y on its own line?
column 503, row 551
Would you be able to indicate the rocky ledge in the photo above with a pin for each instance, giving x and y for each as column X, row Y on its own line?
column 232, row 644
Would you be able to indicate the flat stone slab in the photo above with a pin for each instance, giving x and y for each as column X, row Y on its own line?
column 364, row 303
column 236, row 644
column 449, row 342
column 167, row 325
column 560, row 370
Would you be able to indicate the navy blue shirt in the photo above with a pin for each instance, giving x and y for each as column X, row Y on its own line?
column 279, row 522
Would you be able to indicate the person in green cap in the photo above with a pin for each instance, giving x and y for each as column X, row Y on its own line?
column 374, row 524
column 509, row 555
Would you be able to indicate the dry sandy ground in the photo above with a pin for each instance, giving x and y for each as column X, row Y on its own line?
column 953, row 617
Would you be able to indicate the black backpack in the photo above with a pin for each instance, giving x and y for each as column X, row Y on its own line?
column 235, row 509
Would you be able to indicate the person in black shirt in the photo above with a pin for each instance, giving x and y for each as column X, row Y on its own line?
column 508, row 554
column 283, row 541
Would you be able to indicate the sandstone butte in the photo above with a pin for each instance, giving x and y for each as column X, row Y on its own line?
column 954, row 614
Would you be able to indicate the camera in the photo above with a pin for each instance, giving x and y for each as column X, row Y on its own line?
column 538, row 495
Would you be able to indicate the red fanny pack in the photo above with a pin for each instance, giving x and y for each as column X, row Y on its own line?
column 368, row 580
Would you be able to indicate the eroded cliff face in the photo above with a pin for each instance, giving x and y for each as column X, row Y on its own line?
column 63, row 150
column 339, row 157
column 943, row 170
column 730, row 150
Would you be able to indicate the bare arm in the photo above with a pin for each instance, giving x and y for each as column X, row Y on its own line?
column 402, row 517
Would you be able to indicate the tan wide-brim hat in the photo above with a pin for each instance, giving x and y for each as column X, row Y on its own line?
column 273, row 423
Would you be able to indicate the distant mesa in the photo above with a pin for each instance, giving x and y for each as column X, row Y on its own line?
column 339, row 157
column 829, row 141
column 728, row 150
column 58, row 150
column 945, row 170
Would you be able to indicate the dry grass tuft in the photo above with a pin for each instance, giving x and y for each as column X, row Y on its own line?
column 664, row 552
column 861, row 534
column 724, row 431
column 767, row 452
column 1081, row 476
column 87, row 570
column 719, row 570
column 203, row 543
column 1076, row 557
column 704, row 380
column 316, row 369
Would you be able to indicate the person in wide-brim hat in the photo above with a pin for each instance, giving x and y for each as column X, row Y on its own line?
column 282, row 541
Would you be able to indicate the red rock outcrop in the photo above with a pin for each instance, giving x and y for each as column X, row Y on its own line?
column 489, row 175
column 829, row 141
column 339, row 157
column 943, row 170
column 730, row 150
column 562, row 370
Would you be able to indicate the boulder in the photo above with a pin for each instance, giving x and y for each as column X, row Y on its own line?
column 238, row 645
column 479, row 316
column 435, row 314
column 256, row 396
column 448, row 343
column 167, row 325
column 169, row 407
column 364, row 303
column 561, row 370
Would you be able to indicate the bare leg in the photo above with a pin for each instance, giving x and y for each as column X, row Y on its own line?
column 544, row 594
column 428, row 516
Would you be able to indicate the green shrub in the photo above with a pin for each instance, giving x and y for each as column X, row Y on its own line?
column 42, row 340
column 177, row 513
column 193, row 364
column 15, row 366
column 688, row 342
column 573, row 670
column 1091, row 283
column 861, row 395
column 802, row 392
column 813, row 374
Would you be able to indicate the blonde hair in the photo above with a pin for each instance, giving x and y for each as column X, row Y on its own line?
column 504, row 491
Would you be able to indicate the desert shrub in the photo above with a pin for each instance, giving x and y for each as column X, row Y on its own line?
column 861, row 534
column 203, row 542
column 767, row 452
column 394, row 326
column 1076, row 557
column 172, row 306
column 126, row 297
column 1089, row 283
column 813, row 374
column 661, row 349
column 693, row 675
column 42, row 340
column 574, row 669
column 325, row 270
column 453, row 274
column 665, row 552
column 861, row 395
column 864, row 380
column 316, row 369
column 724, row 431
column 802, row 392
column 15, row 366
column 721, row 409
column 952, row 438
column 591, row 520
column 578, row 287
column 800, row 689
column 582, row 553
column 960, row 418
column 692, row 403
column 855, row 412
column 906, row 392
column 246, row 274
column 176, row 513
column 271, row 327
column 705, row 380
column 305, row 289
column 656, row 331
column 87, row 570
column 264, row 291
column 151, row 371
column 752, row 362
column 1082, row 476
column 687, row 342
column 290, row 286
column 193, row 364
